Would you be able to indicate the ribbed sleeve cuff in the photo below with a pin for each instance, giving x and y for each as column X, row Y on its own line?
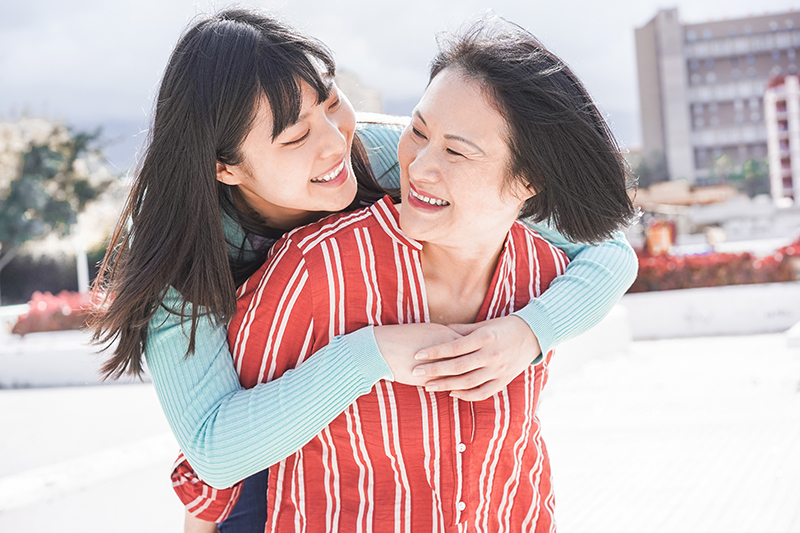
column 535, row 315
column 366, row 355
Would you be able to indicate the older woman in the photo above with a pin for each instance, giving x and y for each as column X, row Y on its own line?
column 504, row 130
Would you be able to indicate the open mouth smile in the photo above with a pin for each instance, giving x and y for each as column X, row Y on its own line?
column 330, row 176
column 430, row 201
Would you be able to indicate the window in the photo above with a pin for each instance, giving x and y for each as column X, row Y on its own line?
column 710, row 63
column 699, row 122
column 694, row 64
column 734, row 62
column 776, row 56
column 773, row 25
column 789, row 23
column 751, row 72
column 775, row 71
column 751, row 59
column 695, row 78
column 790, row 54
column 691, row 36
column 697, row 109
column 755, row 116
column 738, row 118
column 707, row 34
column 736, row 74
column 714, row 121
column 732, row 31
column 748, row 29
column 754, row 103
column 713, row 107
column 711, row 77
column 738, row 105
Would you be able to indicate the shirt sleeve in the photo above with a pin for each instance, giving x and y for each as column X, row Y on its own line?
column 596, row 278
column 229, row 433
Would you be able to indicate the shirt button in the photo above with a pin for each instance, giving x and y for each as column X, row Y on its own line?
column 461, row 506
column 461, row 448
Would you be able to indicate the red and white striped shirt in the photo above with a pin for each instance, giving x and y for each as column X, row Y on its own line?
column 399, row 456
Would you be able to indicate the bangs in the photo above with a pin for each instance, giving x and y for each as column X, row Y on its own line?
column 281, row 78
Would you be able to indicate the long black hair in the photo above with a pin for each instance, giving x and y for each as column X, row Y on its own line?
column 559, row 142
column 170, row 233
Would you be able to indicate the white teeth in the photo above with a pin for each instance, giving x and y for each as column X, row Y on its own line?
column 431, row 201
column 330, row 175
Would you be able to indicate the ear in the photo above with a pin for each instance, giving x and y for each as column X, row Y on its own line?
column 227, row 175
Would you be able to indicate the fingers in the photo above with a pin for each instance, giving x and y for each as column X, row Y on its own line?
column 454, row 348
column 463, row 382
column 479, row 393
column 456, row 366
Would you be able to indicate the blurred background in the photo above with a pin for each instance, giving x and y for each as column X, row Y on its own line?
column 679, row 412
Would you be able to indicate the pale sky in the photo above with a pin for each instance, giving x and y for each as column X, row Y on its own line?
column 99, row 61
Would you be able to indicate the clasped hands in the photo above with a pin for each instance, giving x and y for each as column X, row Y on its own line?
column 471, row 361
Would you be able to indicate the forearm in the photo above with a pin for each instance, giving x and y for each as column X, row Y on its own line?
column 595, row 280
column 229, row 433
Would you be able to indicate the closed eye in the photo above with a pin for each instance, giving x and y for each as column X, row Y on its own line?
column 453, row 152
column 418, row 133
column 298, row 140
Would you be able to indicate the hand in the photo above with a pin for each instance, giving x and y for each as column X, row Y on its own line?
column 399, row 343
column 483, row 362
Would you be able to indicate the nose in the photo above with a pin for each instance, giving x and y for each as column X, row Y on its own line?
column 335, row 140
column 422, row 166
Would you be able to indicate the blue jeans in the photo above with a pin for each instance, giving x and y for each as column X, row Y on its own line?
column 250, row 513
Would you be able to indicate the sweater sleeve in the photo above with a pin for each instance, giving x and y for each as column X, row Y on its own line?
column 229, row 433
column 596, row 278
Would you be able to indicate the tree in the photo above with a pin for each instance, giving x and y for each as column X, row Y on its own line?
column 48, row 181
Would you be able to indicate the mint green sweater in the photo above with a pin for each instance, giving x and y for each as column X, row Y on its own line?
column 229, row 433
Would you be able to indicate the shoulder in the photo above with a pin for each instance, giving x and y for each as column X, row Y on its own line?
column 525, row 236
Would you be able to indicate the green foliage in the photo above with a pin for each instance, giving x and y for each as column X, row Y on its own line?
column 48, row 191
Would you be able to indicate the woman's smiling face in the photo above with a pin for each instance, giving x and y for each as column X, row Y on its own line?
column 303, row 171
column 454, row 163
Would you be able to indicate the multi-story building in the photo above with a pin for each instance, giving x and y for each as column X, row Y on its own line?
column 701, row 87
column 782, row 114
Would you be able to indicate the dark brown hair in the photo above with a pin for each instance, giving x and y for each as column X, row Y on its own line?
column 170, row 233
column 559, row 143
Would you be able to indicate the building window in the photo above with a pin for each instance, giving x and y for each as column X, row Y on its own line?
column 773, row 25
column 738, row 118
column 738, row 104
column 792, row 69
column 714, row 121
column 736, row 74
column 697, row 109
column 732, row 31
column 748, row 29
column 691, row 36
column 711, row 78
column 694, row 64
column 790, row 54
column 755, row 116
column 710, row 63
column 751, row 59
column 695, row 78
column 775, row 71
column 776, row 56
column 734, row 62
column 754, row 103
column 789, row 23
column 699, row 122
column 751, row 72
column 713, row 107
column 707, row 34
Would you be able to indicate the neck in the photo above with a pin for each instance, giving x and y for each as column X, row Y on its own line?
column 457, row 279
column 274, row 217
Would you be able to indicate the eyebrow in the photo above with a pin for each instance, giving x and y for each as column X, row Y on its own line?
column 451, row 136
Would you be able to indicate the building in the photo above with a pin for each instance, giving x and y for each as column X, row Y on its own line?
column 701, row 87
column 782, row 114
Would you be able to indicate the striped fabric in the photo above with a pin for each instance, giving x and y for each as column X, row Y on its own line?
column 399, row 458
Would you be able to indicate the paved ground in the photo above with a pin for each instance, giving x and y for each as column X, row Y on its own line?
column 686, row 435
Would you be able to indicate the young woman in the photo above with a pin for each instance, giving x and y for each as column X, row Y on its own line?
column 504, row 130
column 246, row 110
